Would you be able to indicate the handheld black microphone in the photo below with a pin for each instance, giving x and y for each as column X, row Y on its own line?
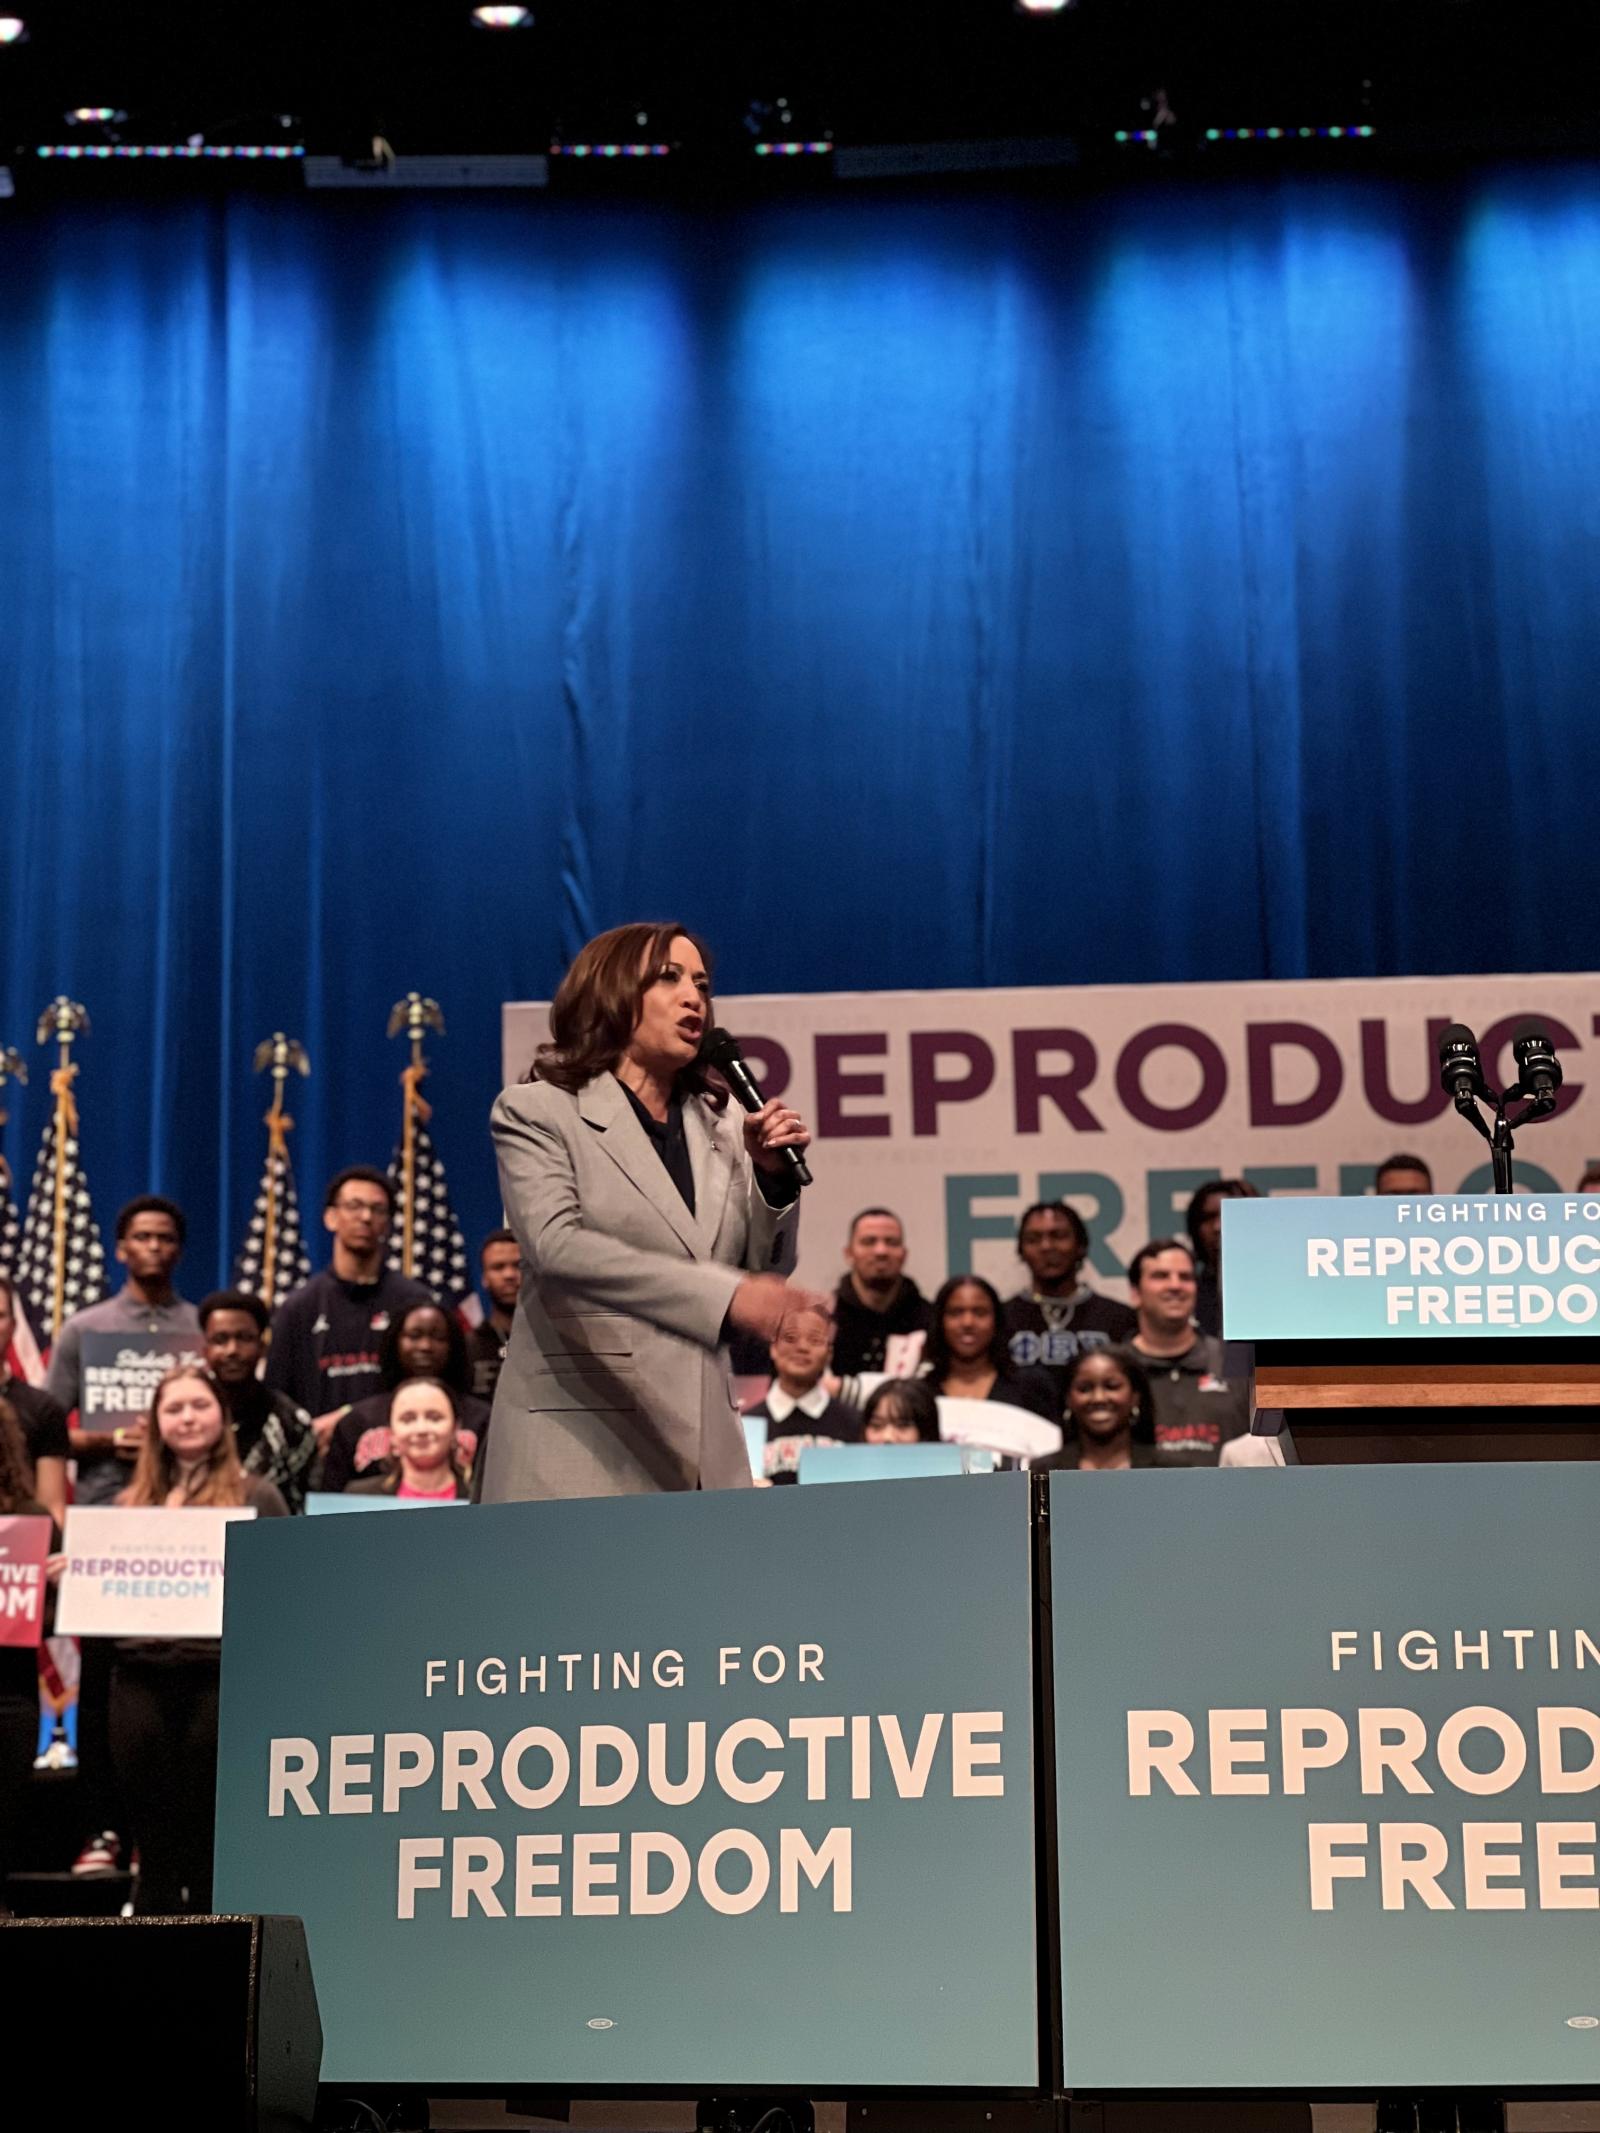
column 721, row 1050
column 1459, row 1068
column 1537, row 1065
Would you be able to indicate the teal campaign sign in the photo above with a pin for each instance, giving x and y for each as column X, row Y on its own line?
column 1328, row 1783
column 713, row 1789
column 1511, row 1265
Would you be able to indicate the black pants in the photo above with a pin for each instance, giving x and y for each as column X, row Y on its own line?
column 19, row 1736
column 99, row 1805
column 164, row 1753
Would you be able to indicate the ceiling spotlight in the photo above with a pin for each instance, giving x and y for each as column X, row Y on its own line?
column 1044, row 7
column 95, row 115
column 502, row 18
column 13, row 30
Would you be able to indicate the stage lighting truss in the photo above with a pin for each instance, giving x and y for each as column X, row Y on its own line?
column 794, row 148
column 95, row 115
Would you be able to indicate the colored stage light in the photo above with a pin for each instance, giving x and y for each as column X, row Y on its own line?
column 794, row 148
column 610, row 148
column 1043, row 7
column 12, row 29
column 1286, row 133
column 95, row 115
column 190, row 151
column 502, row 18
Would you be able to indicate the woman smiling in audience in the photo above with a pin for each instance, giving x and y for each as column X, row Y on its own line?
column 425, row 1458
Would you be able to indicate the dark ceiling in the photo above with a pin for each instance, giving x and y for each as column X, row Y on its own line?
column 711, row 77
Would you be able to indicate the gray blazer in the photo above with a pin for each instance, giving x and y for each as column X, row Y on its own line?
column 613, row 1383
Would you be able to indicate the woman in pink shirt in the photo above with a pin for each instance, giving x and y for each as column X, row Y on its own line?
column 425, row 1463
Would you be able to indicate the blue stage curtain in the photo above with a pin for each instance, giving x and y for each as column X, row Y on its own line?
column 1175, row 584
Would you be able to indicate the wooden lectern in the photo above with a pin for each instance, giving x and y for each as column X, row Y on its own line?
column 1349, row 1403
column 1306, row 1283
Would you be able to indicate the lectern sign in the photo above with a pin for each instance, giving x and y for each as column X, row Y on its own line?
column 1508, row 1266
column 709, row 1788
column 1328, row 1783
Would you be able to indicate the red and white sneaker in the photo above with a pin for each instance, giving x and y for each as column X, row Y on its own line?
column 102, row 1854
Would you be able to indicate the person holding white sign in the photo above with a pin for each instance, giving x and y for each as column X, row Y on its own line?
column 164, row 1691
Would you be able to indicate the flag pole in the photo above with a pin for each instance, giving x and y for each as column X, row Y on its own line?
column 412, row 1015
column 64, row 1020
column 277, row 1055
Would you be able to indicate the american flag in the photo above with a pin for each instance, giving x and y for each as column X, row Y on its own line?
column 10, row 1224
column 22, row 1357
column 84, row 1281
column 439, row 1250
column 291, row 1262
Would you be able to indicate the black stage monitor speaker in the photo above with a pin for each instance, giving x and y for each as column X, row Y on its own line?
column 169, row 2022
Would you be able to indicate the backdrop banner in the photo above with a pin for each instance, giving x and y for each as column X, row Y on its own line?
column 707, row 1789
column 958, row 1108
column 1326, row 1786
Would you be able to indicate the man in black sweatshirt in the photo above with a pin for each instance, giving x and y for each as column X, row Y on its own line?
column 879, row 1313
column 326, row 1335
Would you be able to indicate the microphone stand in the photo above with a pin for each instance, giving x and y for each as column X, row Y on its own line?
column 1540, row 1103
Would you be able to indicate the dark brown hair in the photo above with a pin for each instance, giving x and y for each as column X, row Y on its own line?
column 155, row 1473
column 15, row 1487
column 596, row 1008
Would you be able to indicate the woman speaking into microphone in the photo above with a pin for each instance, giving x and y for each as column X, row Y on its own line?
column 652, row 1225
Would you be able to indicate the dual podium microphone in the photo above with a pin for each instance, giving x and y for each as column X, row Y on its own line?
column 1538, row 1079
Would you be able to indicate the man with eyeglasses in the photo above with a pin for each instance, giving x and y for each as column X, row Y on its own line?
column 326, row 1335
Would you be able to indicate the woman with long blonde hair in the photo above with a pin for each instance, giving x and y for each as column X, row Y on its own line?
column 164, row 1691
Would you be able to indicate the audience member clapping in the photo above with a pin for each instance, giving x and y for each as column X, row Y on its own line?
column 274, row 1436
column 1196, row 1409
column 901, row 1411
column 164, row 1692
column 423, row 1342
column 426, row 1462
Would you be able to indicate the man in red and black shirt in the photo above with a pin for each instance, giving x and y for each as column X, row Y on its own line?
column 326, row 1335
column 1197, row 1409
